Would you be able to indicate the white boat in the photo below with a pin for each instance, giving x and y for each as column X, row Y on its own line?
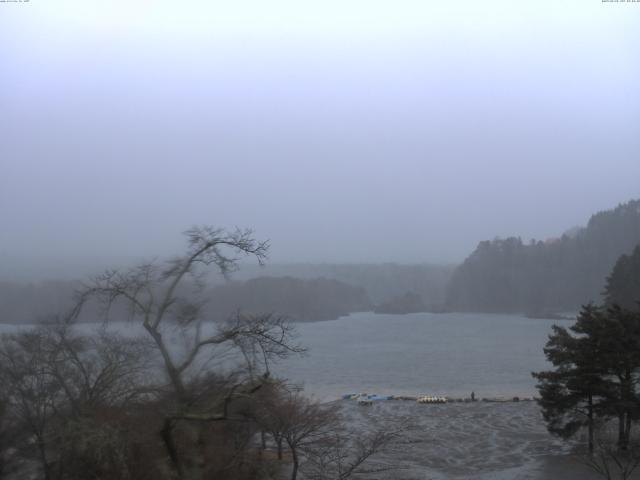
column 431, row 399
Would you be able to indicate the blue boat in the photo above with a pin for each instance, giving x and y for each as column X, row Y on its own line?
column 366, row 396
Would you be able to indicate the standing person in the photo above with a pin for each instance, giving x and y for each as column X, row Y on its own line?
column 473, row 396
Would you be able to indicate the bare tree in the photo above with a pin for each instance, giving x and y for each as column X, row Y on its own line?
column 293, row 419
column 309, row 422
column 345, row 454
column 53, row 380
column 105, row 369
column 30, row 392
column 315, row 436
column 4, row 436
column 265, row 409
column 608, row 459
column 167, row 297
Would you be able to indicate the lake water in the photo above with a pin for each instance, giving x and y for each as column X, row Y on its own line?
column 447, row 354
column 444, row 354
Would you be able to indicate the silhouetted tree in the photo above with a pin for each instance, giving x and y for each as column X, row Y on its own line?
column 313, row 433
column 572, row 394
column 620, row 356
column 304, row 422
column 30, row 391
column 163, row 298
column 55, row 383
column 623, row 284
column 608, row 460
column 344, row 454
column 597, row 364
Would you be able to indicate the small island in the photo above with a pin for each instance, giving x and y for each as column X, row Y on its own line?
column 410, row 302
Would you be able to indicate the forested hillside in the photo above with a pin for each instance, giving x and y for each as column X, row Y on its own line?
column 382, row 282
column 507, row 275
column 623, row 285
column 300, row 299
column 29, row 303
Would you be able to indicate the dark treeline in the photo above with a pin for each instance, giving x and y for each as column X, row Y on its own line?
column 299, row 299
column 597, row 362
column 410, row 302
column 623, row 285
column 507, row 275
column 75, row 406
column 501, row 275
column 302, row 291
column 32, row 302
column 36, row 302
column 593, row 386
column 382, row 282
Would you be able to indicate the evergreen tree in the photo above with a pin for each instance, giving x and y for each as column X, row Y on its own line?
column 507, row 275
column 597, row 367
column 620, row 358
column 623, row 284
column 574, row 392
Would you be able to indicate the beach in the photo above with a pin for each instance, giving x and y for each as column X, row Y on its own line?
column 479, row 440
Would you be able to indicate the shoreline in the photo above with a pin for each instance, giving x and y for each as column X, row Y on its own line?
column 467, row 441
column 529, row 316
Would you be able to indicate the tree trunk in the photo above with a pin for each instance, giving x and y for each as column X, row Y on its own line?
column 627, row 430
column 172, row 371
column 43, row 459
column 279, row 445
column 628, row 397
column 167, row 438
column 590, row 425
column 629, row 400
column 294, row 471
column 621, row 433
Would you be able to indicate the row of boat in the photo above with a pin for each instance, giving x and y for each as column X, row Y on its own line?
column 431, row 399
column 368, row 399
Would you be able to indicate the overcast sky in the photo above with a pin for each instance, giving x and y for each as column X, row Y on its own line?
column 344, row 131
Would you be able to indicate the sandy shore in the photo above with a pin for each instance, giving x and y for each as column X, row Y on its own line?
column 479, row 441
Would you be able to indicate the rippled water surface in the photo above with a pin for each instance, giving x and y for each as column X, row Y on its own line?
column 445, row 354
column 448, row 354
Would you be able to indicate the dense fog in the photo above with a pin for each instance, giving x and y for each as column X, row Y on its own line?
column 319, row 240
column 360, row 133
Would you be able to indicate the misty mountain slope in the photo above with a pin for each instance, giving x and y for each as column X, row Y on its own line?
column 506, row 275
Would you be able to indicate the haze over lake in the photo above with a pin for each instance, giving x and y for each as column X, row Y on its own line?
column 267, row 234
column 445, row 354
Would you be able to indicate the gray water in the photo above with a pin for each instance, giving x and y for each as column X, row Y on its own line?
column 447, row 354
column 443, row 354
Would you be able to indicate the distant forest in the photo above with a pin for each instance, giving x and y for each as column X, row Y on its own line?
column 302, row 291
column 300, row 299
column 507, row 275
column 30, row 303
column 382, row 282
column 501, row 275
